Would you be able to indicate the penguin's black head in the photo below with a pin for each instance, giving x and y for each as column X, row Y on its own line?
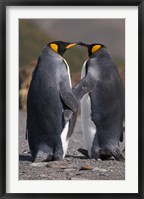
column 60, row 46
column 92, row 48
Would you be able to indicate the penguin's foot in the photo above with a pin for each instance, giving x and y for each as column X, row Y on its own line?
column 43, row 157
column 84, row 152
column 58, row 152
column 33, row 156
column 120, row 157
column 57, row 157
column 105, row 154
column 49, row 158
column 108, row 154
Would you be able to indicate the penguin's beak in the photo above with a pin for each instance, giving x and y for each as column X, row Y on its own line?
column 83, row 44
column 71, row 45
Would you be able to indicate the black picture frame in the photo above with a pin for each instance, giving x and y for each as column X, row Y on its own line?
column 3, row 182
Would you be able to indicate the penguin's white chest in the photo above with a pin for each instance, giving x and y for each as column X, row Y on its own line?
column 88, row 127
column 64, row 133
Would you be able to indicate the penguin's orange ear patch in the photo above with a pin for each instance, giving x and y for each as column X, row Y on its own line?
column 54, row 47
column 95, row 48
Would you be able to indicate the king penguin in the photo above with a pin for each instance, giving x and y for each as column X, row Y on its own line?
column 49, row 97
column 102, row 104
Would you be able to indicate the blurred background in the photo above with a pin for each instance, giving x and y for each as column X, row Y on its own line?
column 34, row 34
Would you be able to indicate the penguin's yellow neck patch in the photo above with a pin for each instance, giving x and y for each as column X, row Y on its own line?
column 54, row 47
column 95, row 48
column 70, row 45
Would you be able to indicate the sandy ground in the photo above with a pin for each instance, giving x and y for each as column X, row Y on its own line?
column 75, row 166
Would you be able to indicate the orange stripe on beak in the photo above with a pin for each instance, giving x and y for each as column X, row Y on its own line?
column 70, row 45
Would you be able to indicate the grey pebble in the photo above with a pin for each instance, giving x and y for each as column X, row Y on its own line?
column 99, row 169
column 43, row 176
column 103, row 174
column 86, row 168
column 26, row 152
column 69, row 170
column 28, row 176
column 38, row 164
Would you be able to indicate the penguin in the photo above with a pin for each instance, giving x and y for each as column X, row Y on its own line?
column 50, row 98
column 102, row 104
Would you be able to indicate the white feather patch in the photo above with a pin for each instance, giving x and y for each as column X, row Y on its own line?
column 88, row 127
column 64, row 133
column 68, row 71
column 64, row 139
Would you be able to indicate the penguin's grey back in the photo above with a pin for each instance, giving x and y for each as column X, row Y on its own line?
column 45, row 119
column 105, row 104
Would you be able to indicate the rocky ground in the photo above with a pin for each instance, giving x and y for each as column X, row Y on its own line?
column 75, row 166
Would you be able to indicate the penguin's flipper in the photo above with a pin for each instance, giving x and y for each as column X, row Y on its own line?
column 68, row 114
column 68, row 97
column 84, row 86
column 72, row 123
